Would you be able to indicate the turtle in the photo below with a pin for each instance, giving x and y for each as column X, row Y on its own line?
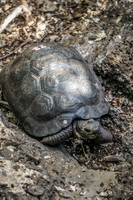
column 54, row 94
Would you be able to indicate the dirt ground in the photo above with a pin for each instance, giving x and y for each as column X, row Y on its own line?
column 102, row 32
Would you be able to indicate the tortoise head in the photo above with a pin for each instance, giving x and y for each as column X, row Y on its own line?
column 92, row 130
column 87, row 129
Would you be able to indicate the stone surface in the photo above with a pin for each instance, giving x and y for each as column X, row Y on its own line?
column 30, row 169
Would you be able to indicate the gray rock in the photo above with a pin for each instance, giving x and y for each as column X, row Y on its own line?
column 30, row 169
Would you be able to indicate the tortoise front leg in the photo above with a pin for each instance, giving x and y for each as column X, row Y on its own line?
column 103, row 136
column 59, row 137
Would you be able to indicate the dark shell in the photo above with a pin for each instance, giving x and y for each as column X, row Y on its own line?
column 49, row 85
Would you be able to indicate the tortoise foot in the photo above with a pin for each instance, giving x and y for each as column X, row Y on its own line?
column 104, row 136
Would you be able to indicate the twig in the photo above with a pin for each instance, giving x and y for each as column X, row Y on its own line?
column 23, row 44
column 45, row 34
column 19, row 10
column 4, row 104
column 24, row 2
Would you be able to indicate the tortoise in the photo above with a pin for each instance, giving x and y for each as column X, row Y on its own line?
column 54, row 93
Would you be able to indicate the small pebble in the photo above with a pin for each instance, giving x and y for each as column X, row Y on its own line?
column 35, row 190
column 103, row 194
column 92, row 37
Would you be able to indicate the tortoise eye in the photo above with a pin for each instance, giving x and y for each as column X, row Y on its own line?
column 87, row 130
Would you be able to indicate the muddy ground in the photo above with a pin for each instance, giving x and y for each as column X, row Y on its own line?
column 102, row 32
